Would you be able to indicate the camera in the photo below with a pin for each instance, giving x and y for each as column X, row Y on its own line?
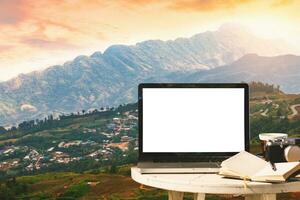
column 283, row 150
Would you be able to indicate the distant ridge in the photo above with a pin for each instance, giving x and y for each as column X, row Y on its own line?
column 281, row 70
column 110, row 78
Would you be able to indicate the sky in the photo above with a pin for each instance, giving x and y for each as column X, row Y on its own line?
column 36, row 34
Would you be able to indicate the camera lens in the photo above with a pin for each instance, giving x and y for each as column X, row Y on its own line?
column 292, row 153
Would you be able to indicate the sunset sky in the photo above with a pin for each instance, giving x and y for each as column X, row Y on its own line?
column 35, row 34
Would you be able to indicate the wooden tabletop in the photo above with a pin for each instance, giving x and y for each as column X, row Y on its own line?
column 210, row 183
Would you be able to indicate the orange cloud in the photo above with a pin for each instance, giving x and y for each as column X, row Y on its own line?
column 12, row 11
column 49, row 44
column 39, row 33
column 135, row 3
column 4, row 48
column 206, row 5
column 280, row 3
column 47, row 24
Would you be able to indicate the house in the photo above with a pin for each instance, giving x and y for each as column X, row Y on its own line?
column 50, row 149
column 94, row 154
column 29, row 167
column 61, row 144
column 132, row 117
column 110, row 125
column 92, row 183
column 8, row 151
column 121, row 145
column 26, row 157
column 116, row 120
column 126, row 138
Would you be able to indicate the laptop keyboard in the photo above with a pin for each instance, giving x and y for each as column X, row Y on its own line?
column 204, row 159
column 179, row 165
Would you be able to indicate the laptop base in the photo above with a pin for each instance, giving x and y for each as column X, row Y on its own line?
column 179, row 168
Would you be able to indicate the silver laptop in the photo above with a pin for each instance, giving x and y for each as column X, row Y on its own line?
column 191, row 128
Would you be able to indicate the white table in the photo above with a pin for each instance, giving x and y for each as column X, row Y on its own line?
column 201, row 184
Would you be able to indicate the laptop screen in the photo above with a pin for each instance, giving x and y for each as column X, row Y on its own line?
column 198, row 120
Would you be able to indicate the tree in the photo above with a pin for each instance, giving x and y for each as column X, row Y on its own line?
column 2, row 130
column 113, row 169
column 95, row 111
column 13, row 128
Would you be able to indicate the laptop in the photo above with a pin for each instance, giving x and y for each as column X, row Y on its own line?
column 191, row 127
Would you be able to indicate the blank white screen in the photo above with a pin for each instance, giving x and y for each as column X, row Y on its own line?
column 193, row 120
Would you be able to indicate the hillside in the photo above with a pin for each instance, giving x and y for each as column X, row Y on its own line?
column 94, row 185
column 108, row 136
column 85, row 154
column 110, row 78
column 77, row 142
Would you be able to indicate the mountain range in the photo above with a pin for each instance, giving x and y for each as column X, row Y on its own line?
column 281, row 70
column 111, row 78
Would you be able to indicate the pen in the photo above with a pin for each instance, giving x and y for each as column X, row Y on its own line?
column 273, row 166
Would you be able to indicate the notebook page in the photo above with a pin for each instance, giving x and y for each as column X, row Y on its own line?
column 282, row 169
column 244, row 164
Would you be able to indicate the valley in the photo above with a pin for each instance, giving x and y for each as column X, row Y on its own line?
column 88, row 154
column 79, row 142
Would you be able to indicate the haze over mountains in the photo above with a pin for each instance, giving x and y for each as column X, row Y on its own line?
column 280, row 70
column 283, row 70
column 110, row 78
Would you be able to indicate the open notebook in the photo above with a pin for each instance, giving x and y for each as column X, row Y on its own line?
column 247, row 166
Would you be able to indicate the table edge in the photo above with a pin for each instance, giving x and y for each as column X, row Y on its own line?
column 215, row 189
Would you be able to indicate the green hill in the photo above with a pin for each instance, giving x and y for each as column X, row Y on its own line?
column 55, row 158
column 93, row 185
column 76, row 142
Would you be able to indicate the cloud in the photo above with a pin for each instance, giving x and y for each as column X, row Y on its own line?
column 49, row 44
column 4, row 48
column 47, row 22
column 12, row 11
column 141, row 3
column 205, row 5
column 280, row 3
column 136, row 2
column 33, row 31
